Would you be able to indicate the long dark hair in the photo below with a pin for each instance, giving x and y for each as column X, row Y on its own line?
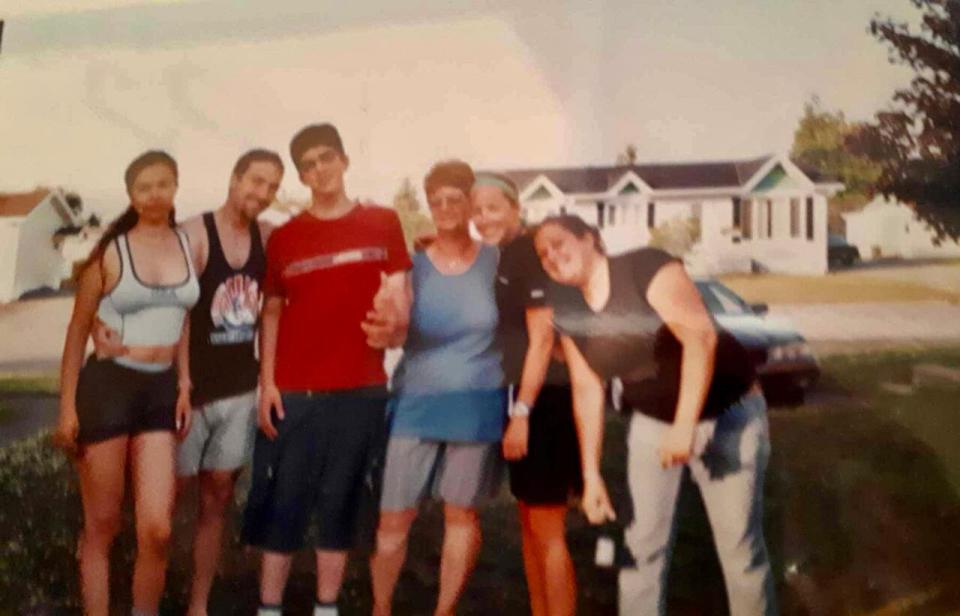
column 128, row 219
column 575, row 225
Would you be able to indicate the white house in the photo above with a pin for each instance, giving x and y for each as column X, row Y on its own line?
column 77, row 245
column 888, row 228
column 29, row 258
column 760, row 214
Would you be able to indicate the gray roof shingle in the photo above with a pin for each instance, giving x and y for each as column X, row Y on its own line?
column 659, row 176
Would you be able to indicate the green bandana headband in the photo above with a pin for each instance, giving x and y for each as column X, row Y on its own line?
column 488, row 179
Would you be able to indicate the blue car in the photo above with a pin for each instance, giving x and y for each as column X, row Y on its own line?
column 785, row 364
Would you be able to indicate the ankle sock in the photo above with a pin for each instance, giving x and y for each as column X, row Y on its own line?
column 270, row 610
column 325, row 609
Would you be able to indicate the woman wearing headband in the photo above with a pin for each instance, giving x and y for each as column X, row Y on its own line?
column 540, row 442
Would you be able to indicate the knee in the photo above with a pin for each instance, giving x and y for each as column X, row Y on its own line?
column 455, row 516
column 393, row 531
column 545, row 527
column 391, row 543
column 547, row 538
column 154, row 536
column 101, row 528
column 217, row 494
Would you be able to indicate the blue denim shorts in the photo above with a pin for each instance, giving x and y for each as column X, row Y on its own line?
column 317, row 472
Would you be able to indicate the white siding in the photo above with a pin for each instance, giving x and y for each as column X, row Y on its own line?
column 891, row 229
column 38, row 263
column 9, row 228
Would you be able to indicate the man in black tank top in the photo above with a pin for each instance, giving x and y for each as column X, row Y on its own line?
column 228, row 250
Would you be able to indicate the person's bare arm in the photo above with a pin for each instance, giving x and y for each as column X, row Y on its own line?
column 588, row 400
column 269, row 393
column 676, row 299
column 536, row 360
column 86, row 301
column 184, row 385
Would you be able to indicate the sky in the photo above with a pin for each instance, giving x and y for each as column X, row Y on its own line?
column 87, row 85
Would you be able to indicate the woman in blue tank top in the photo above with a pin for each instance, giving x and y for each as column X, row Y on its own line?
column 140, row 280
column 449, row 406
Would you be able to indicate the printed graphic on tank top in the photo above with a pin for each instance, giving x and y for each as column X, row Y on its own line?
column 223, row 325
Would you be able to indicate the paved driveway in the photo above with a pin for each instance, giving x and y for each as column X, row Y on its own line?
column 32, row 333
column 914, row 321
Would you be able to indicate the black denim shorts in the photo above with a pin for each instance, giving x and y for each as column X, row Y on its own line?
column 113, row 400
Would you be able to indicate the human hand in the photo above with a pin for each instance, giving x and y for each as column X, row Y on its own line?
column 269, row 400
column 65, row 434
column 107, row 341
column 595, row 501
column 184, row 413
column 676, row 445
column 516, row 438
column 381, row 324
column 380, row 328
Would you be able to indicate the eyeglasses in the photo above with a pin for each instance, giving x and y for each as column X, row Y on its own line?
column 453, row 199
column 326, row 157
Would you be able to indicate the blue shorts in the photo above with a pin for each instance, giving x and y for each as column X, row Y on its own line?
column 317, row 474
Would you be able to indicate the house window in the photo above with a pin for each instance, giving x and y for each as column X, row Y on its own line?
column 746, row 220
column 810, row 218
column 769, row 205
column 540, row 193
column 600, row 216
column 736, row 212
column 611, row 215
column 763, row 215
column 794, row 217
column 651, row 215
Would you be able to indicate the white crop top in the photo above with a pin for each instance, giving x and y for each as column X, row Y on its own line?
column 144, row 314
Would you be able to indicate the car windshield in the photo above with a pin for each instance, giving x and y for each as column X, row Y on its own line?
column 721, row 300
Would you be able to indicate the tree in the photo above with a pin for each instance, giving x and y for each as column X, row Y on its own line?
column 413, row 221
column 628, row 156
column 821, row 142
column 916, row 140
column 677, row 235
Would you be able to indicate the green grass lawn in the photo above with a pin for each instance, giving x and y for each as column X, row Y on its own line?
column 862, row 512
column 47, row 384
column 845, row 287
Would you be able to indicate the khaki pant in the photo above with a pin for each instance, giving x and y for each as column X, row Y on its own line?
column 728, row 466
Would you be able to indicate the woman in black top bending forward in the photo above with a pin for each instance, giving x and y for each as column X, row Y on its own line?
column 695, row 402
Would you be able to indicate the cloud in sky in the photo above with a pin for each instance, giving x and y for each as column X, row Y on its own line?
column 496, row 83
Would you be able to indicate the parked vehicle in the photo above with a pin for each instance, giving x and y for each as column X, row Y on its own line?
column 840, row 253
column 786, row 366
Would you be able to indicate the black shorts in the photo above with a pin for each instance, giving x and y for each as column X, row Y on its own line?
column 550, row 472
column 317, row 475
column 113, row 400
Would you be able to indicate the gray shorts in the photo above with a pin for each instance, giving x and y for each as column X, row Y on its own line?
column 221, row 435
column 462, row 474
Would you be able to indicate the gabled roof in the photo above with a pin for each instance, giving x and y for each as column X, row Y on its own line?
column 21, row 204
column 659, row 176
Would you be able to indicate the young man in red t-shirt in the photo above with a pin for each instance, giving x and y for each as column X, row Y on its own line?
column 322, row 383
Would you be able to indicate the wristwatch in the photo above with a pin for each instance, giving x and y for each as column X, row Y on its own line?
column 519, row 409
